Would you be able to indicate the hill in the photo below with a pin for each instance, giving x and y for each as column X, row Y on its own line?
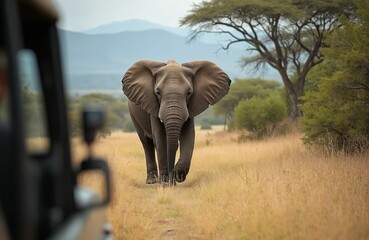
column 134, row 25
column 142, row 25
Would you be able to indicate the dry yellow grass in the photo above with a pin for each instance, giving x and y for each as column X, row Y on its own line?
column 272, row 189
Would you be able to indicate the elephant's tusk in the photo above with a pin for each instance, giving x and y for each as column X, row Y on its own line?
column 161, row 120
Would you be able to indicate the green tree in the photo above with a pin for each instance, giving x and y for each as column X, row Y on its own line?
column 316, row 76
column 244, row 89
column 260, row 115
column 336, row 113
column 286, row 35
column 117, row 113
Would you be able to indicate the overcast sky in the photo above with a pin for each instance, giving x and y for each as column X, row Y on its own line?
column 78, row 15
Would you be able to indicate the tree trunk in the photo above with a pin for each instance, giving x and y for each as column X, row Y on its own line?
column 296, row 111
column 293, row 95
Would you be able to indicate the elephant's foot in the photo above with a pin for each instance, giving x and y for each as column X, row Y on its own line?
column 152, row 178
column 180, row 174
column 172, row 180
column 167, row 180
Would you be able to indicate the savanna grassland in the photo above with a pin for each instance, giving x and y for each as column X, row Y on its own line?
column 267, row 189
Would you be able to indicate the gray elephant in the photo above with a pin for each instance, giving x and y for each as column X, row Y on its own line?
column 164, row 98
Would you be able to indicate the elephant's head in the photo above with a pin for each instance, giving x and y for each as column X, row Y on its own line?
column 174, row 92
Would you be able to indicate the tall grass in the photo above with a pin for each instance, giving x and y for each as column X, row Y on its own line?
column 269, row 189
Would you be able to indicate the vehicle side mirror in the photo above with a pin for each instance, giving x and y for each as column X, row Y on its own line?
column 93, row 119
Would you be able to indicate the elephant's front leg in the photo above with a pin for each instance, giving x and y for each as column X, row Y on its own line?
column 160, row 141
column 187, row 140
column 141, row 121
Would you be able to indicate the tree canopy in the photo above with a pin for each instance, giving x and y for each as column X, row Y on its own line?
column 336, row 112
column 287, row 35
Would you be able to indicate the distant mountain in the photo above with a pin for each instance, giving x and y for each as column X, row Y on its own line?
column 134, row 25
column 98, row 61
column 114, row 53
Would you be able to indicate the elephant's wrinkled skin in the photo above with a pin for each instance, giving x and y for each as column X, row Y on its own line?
column 164, row 98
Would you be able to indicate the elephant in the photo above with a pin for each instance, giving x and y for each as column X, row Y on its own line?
column 163, row 99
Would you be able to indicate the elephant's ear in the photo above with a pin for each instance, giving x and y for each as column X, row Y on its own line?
column 138, row 85
column 210, row 84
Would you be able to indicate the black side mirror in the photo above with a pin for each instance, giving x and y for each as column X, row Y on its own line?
column 93, row 119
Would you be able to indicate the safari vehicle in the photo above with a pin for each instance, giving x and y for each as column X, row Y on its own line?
column 39, row 194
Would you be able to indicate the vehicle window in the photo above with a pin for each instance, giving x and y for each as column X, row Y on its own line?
column 34, row 113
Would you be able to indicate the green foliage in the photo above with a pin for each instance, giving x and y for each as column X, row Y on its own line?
column 260, row 116
column 116, row 112
column 244, row 89
column 316, row 75
column 332, row 121
column 128, row 126
column 336, row 112
column 207, row 10
column 205, row 126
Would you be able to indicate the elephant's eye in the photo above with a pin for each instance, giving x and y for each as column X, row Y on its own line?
column 157, row 92
column 189, row 93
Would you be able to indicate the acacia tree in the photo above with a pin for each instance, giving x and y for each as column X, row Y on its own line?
column 285, row 34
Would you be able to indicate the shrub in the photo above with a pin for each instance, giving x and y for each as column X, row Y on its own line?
column 205, row 126
column 332, row 120
column 116, row 112
column 244, row 89
column 260, row 116
column 128, row 126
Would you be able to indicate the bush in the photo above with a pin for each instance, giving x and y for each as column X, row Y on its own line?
column 116, row 112
column 260, row 116
column 128, row 126
column 205, row 126
column 243, row 89
column 334, row 122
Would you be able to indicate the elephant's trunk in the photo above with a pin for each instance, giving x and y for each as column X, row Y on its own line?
column 173, row 130
column 173, row 122
column 171, row 154
column 172, row 146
